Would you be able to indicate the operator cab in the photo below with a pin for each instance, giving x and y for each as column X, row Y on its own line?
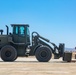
column 21, row 33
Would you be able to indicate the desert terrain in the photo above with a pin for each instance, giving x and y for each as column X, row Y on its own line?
column 30, row 66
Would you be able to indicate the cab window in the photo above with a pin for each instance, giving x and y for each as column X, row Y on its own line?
column 16, row 30
column 21, row 30
column 28, row 33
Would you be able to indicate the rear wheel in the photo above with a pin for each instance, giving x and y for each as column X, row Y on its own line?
column 43, row 54
column 8, row 53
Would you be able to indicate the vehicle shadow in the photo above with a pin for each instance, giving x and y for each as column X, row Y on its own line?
column 36, row 61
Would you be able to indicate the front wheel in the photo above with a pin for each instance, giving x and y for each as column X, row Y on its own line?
column 43, row 54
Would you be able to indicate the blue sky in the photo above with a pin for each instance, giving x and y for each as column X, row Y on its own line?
column 53, row 19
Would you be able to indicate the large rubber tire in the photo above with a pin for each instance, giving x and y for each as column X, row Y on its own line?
column 43, row 54
column 8, row 53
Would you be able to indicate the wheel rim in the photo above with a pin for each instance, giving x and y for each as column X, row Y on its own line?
column 7, row 53
column 43, row 54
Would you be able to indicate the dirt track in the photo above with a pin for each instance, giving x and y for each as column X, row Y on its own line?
column 30, row 66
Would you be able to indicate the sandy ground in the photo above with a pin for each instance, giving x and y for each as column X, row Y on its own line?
column 30, row 66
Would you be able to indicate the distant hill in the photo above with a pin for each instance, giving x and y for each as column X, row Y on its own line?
column 70, row 49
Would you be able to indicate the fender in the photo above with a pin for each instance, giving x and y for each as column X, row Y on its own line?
column 36, row 48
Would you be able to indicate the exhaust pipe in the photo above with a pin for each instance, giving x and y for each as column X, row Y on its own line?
column 7, row 29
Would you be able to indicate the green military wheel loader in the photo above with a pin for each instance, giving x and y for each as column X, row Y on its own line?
column 18, row 43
